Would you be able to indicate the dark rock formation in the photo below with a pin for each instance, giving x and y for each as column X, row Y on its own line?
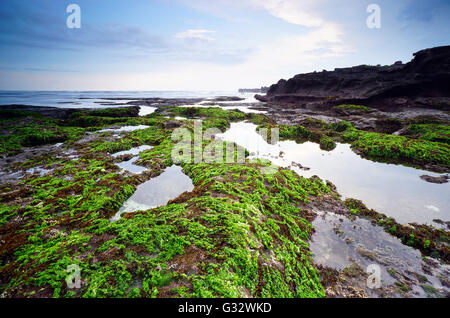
column 438, row 180
column 164, row 102
column 47, row 111
column 227, row 99
column 64, row 113
column 425, row 81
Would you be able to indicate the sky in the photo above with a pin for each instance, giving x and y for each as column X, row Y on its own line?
column 204, row 44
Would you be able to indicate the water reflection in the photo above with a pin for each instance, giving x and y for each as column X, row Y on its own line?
column 146, row 110
column 339, row 242
column 125, row 129
column 157, row 191
column 394, row 190
column 128, row 165
column 133, row 151
column 224, row 106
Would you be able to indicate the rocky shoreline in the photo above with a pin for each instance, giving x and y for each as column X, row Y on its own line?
column 422, row 83
column 60, row 185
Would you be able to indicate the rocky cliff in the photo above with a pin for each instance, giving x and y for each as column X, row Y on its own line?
column 425, row 81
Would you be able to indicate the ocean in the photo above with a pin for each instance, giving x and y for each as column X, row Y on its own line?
column 94, row 99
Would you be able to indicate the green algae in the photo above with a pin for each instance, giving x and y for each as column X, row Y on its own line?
column 234, row 234
column 216, row 113
column 109, row 112
column 402, row 287
column 13, row 115
column 213, row 112
column 358, row 108
column 104, row 122
column 379, row 146
column 427, row 239
column 240, row 233
column 431, row 132
column 36, row 135
column 327, row 143
column 231, row 234
column 301, row 134
column 50, row 232
column 6, row 213
column 384, row 146
column 372, row 145
column 430, row 290
column 106, row 117
column 152, row 136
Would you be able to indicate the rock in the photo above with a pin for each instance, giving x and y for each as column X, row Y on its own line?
column 300, row 166
column 227, row 99
column 125, row 157
column 261, row 98
column 64, row 113
column 170, row 124
column 425, row 81
column 431, row 179
column 164, row 102
column 54, row 112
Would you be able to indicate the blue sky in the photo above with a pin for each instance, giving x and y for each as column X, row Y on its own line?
column 204, row 44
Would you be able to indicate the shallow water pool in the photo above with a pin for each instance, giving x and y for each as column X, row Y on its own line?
column 124, row 129
column 339, row 242
column 394, row 190
column 129, row 165
column 157, row 191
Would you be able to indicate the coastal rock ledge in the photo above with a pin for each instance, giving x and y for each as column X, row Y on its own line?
column 423, row 82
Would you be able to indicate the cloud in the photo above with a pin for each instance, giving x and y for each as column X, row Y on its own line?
column 292, row 11
column 295, row 53
column 432, row 207
column 294, row 50
column 321, row 38
column 22, row 26
column 197, row 60
column 196, row 34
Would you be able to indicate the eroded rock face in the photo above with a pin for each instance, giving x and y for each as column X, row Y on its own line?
column 425, row 81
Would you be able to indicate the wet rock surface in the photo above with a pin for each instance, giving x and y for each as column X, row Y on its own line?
column 347, row 250
column 227, row 99
column 56, row 175
column 393, row 189
column 431, row 179
column 392, row 122
column 157, row 191
column 55, row 112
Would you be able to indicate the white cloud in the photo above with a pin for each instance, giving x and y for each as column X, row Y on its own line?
column 298, row 12
column 197, row 34
column 312, row 48
column 294, row 50
column 306, row 51
column 432, row 207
